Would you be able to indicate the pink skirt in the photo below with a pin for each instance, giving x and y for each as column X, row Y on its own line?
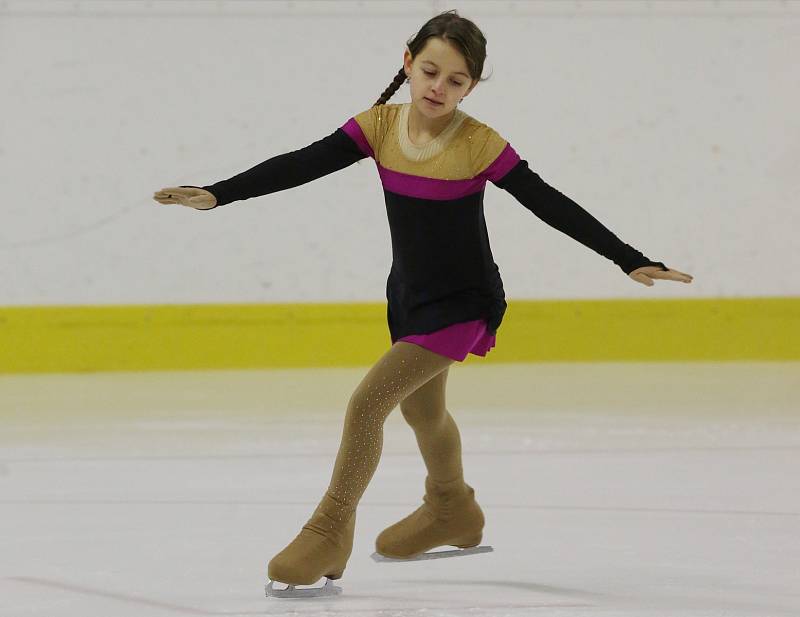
column 457, row 340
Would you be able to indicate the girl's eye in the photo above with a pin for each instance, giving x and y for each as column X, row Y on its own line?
column 455, row 82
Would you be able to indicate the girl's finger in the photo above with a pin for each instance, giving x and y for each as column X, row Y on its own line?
column 673, row 275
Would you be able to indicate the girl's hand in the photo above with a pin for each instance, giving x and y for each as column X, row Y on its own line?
column 646, row 274
column 197, row 198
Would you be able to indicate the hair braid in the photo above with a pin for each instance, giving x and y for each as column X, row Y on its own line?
column 393, row 87
column 458, row 31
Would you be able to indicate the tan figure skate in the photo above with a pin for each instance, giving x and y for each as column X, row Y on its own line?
column 322, row 548
column 449, row 515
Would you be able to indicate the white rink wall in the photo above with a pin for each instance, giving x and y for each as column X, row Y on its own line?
column 673, row 123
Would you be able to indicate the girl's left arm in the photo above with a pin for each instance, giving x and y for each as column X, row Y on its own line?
column 562, row 213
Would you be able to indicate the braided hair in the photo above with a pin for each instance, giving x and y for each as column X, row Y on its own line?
column 451, row 27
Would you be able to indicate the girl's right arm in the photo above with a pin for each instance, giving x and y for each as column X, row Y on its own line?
column 284, row 171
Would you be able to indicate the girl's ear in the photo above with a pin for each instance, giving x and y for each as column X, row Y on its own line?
column 407, row 58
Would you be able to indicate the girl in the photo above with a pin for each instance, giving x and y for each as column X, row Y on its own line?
column 444, row 291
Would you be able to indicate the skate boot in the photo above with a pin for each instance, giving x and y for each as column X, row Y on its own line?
column 449, row 516
column 322, row 548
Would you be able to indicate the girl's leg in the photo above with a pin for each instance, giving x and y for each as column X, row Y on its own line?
column 404, row 369
column 323, row 546
column 449, row 513
column 435, row 429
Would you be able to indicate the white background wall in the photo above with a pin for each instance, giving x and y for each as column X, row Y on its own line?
column 673, row 123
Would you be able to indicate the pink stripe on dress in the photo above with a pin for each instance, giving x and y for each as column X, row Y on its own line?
column 457, row 340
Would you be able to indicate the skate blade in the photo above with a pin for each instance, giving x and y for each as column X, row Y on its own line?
column 328, row 589
column 459, row 552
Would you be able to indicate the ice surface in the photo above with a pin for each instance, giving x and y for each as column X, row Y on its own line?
column 613, row 490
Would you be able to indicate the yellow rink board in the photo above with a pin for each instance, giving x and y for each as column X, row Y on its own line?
column 35, row 339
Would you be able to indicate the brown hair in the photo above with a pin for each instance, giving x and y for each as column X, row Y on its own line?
column 450, row 27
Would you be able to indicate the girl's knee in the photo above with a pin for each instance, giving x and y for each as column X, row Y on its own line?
column 423, row 418
column 369, row 404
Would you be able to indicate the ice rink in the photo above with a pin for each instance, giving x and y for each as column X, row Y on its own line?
column 614, row 490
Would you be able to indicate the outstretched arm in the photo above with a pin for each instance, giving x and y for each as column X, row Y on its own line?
column 284, row 171
column 562, row 213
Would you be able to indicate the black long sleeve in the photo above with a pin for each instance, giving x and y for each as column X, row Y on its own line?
column 284, row 171
column 562, row 213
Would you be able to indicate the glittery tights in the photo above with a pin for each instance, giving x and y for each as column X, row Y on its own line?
column 414, row 377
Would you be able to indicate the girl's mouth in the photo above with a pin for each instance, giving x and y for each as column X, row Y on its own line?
column 432, row 102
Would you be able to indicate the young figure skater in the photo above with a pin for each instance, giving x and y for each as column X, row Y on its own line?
column 444, row 291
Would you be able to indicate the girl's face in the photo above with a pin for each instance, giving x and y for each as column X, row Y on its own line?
column 438, row 75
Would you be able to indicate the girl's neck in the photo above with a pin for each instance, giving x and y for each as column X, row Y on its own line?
column 420, row 125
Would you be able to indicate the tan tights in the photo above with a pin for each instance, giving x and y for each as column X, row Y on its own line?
column 414, row 378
